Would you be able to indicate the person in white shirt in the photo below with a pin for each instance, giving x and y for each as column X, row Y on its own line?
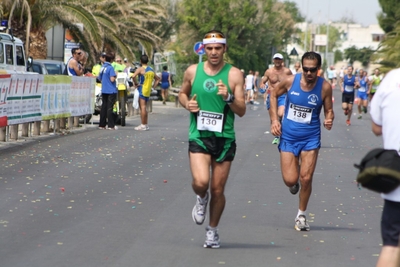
column 331, row 76
column 249, row 85
column 385, row 121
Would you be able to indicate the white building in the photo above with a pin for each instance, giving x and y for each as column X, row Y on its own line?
column 359, row 36
column 350, row 35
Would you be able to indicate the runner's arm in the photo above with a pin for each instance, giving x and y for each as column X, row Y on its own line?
column 376, row 129
column 77, row 68
column 328, row 105
column 136, row 73
column 264, row 79
column 156, row 80
column 186, row 90
column 236, row 83
column 280, row 89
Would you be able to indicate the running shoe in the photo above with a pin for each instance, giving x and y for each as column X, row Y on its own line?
column 114, row 128
column 348, row 122
column 142, row 127
column 276, row 141
column 294, row 189
column 301, row 223
column 200, row 210
column 359, row 117
column 212, row 238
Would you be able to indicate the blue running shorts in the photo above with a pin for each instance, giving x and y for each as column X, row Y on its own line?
column 296, row 147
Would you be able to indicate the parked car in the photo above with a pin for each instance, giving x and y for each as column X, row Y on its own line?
column 47, row 66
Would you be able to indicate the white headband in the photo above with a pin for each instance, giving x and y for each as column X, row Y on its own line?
column 214, row 41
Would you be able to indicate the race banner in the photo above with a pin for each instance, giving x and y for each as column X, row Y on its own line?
column 33, row 97
column 23, row 99
column 55, row 97
column 81, row 98
column 5, row 80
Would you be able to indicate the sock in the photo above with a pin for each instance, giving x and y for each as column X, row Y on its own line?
column 209, row 228
column 300, row 212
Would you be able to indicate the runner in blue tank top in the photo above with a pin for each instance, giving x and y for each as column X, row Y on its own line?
column 165, row 83
column 347, row 85
column 74, row 68
column 362, row 94
column 301, row 128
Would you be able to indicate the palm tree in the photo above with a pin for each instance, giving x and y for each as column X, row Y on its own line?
column 107, row 24
column 388, row 53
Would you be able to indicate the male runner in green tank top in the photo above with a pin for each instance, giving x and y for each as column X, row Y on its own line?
column 213, row 93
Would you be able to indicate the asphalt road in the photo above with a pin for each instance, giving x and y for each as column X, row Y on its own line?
column 95, row 198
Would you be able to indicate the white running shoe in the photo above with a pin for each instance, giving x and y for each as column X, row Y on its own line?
column 301, row 223
column 200, row 210
column 142, row 127
column 212, row 238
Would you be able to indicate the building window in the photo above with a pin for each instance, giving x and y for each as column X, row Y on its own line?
column 377, row 37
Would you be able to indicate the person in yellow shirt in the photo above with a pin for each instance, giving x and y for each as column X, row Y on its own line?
column 117, row 65
column 144, row 84
column 96, row 68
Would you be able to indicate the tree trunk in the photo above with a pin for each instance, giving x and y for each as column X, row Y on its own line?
column 38, row 44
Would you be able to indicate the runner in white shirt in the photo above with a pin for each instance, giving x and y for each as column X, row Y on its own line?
column 249, row 84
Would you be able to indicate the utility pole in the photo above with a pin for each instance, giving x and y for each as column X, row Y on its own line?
column 305, row 33
column 327, row 39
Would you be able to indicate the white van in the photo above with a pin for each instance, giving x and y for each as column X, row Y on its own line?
column 12, row 54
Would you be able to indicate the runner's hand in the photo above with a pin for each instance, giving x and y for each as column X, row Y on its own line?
column 192, row 105
column 328, row 124
column 222, row 90
column 276, row 128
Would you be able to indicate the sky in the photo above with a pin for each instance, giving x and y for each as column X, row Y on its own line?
column 320, row 11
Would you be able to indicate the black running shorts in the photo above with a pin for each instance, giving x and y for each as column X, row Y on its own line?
column 348, row 98
column 221, row 149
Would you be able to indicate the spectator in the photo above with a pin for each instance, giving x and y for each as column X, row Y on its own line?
column 144, row 85
column 74, row 67
column 384, row 113
column 107, row 77
column 165, row 83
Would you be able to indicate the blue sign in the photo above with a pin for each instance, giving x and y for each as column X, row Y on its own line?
column 199, row 48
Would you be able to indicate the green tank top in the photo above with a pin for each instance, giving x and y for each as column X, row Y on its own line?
column 204, row 86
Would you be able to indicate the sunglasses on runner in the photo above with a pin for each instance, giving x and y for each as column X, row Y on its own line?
column 214, row 35
column 78, row 53
column 312, row 70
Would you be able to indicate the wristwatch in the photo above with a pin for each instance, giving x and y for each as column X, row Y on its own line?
column 229, row 100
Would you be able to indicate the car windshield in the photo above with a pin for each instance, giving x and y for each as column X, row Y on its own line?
column 53, row 68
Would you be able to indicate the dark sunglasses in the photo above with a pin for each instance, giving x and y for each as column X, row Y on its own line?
column 78, row 53
column 312, row 70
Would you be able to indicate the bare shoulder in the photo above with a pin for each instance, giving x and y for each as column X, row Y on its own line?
column 191, row 71
column 267, row 72
column 289, row 79
column 235, row 74
column 326, row 88
column 288, row 72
